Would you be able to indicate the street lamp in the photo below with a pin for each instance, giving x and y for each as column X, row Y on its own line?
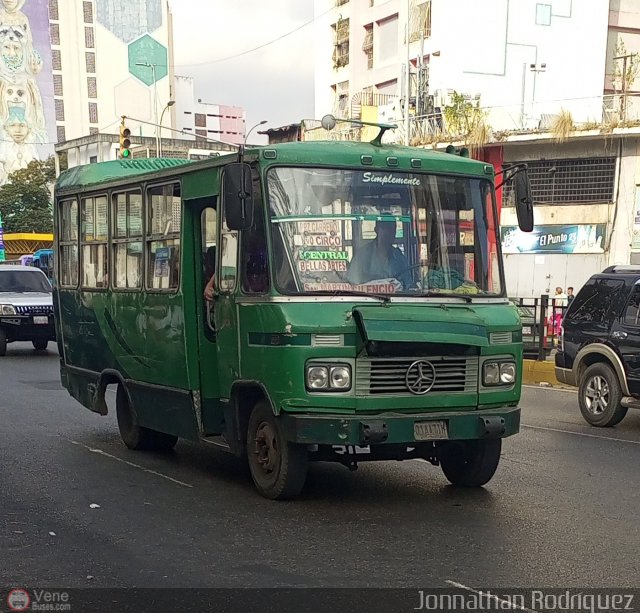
column 260, row 123
column 155, row 97
column 169, row 104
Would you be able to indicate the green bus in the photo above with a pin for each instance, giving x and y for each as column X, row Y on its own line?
column 358, row 309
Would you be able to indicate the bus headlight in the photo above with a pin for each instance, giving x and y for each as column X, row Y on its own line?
column 317, row 377
column 7, row 309
column 340, row 377
column 328, row 377
column 499, row 373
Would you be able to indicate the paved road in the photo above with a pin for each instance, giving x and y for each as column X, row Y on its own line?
column 562, row 510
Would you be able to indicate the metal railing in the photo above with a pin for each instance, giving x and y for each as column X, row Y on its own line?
column 604, row 113
column 541, row 320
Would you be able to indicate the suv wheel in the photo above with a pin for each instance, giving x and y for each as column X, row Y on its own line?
column 600, row 396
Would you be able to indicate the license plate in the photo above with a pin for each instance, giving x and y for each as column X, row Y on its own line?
column 40, row 319
column 430, row 430
column 526, row 330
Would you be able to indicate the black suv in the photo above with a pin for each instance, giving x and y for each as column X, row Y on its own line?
column 600, row 345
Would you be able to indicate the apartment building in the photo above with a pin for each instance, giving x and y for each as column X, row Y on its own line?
column 216, row 122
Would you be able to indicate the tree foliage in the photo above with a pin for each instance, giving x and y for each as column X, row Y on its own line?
column 26, row 201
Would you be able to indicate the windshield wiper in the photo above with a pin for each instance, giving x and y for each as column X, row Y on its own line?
column 349, row 292
column 465, row 297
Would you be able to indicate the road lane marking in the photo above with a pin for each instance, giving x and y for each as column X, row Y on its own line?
column 506, row 604
column 605, row 438
column 142, row 468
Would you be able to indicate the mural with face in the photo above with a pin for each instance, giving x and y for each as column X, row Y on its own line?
column 22, row 118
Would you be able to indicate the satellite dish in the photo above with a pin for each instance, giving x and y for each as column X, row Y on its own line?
column 328, row 122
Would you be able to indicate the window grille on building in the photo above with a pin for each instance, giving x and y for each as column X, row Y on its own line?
column 93, row 112
column 420, row 22
column 53, row 10
column 200, row 120
column 87, row 10
column 92, row 87
column 367, row 45
column 341, row 45
column 94, row 130
column 55, row 34
column 89, row 41
column 59, row 110
column 57, row 85
column 341, row 2
column 91, row 61
column 568, row 181
column 62, row 134
column 201, row 136
column 56, row 59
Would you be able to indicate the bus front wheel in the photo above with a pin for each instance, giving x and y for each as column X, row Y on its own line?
column 135, row 436
column 278, row 467
column 471, row 463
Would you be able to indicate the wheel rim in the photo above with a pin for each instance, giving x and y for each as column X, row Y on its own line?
column 267, row 450
column 596, row 395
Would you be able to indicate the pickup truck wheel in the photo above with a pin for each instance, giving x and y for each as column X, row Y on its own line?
column 40, row 344
column 3, row 342
column 600, row 396
column 471, row 463
column 278, row 467
column 137, row 437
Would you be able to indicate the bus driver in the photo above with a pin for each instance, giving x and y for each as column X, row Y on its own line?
column 380, row 259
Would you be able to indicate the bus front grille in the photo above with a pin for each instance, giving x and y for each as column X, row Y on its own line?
column 388, row 376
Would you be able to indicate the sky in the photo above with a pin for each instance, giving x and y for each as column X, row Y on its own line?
column 274, row 83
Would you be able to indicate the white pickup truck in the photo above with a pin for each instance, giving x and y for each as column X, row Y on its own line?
column 26, row 307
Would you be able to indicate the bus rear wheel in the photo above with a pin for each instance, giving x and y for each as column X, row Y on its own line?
column 135, row 436
column 278, row 467
column 471, row 463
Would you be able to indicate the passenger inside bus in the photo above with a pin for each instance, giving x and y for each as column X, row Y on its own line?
column 209, row 272
column 380, row 259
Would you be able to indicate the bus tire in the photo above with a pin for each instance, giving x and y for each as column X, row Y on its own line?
column 3, row 342
column 471, row 463
column 135, row 436
column 40, row 344
column 278, row 467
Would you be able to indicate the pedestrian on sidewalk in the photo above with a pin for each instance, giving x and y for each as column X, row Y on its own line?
column 560, row 301
column 570, row 296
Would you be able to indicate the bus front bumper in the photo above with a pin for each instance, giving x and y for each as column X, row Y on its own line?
column 396, row 428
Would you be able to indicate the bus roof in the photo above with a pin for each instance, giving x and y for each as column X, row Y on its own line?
column 321, row 153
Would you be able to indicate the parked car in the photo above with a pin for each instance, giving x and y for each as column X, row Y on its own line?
column 26, row 307
column 600, row 345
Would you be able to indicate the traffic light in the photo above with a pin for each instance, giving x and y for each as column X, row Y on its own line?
column 125, row 141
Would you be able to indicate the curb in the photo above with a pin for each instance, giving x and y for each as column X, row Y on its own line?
column 535, row 372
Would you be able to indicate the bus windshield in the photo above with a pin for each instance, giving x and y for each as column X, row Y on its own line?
column 341, row 231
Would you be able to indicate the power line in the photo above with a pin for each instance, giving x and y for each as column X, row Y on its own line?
column 275, row 40
column 183, row 132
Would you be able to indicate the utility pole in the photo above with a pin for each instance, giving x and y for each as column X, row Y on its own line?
column 407, row 88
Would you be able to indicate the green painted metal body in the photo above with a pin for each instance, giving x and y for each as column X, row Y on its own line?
column 185, row 380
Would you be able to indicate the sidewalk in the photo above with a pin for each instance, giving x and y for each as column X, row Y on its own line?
column 536, row 372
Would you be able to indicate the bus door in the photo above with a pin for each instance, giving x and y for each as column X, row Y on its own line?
column 206, row 257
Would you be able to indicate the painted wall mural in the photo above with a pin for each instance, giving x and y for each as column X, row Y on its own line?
column 25, row 80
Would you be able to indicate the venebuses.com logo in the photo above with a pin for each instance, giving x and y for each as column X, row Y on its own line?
column 18, row 600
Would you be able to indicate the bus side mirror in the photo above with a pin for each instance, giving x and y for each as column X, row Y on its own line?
column 237, row 191
column 524, row 200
